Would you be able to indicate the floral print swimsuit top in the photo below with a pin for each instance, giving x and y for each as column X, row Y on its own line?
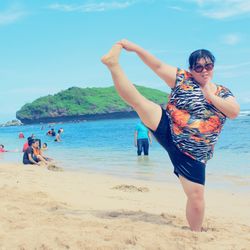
column 195, row 123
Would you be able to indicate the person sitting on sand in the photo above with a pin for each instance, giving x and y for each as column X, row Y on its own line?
column 189, row 127
column 29, row 156
column 44, row 146
column 38, row 152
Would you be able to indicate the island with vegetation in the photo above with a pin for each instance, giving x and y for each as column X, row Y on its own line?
column 78, row 104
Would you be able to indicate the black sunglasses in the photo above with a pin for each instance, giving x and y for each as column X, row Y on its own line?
column 199, row 67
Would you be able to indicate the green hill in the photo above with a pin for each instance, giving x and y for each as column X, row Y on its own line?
column 76, row 104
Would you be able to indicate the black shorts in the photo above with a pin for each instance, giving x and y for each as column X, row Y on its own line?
column 27, row 161
column 184, row 165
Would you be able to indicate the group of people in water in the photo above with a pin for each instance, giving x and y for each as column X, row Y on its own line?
column 33, row 148
column 57, row 135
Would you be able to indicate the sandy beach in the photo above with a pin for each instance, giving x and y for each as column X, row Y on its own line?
column 43, row 209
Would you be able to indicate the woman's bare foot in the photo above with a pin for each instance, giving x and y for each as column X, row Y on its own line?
column 112, row 57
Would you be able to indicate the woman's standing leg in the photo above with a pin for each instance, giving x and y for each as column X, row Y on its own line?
column 148, row 111
column 195, row 207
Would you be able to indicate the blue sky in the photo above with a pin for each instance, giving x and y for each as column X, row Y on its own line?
column 47, row 46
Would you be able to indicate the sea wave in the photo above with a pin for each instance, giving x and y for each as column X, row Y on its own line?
column 245, row 113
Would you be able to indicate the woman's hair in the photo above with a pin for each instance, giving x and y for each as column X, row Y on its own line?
column 198, row 54
column 31, row 141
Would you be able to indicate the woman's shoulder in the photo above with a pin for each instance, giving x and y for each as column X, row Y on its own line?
column 223, row 91
column 183, row 73
column 183, row 77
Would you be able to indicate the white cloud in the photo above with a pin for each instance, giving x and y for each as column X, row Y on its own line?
column 231, row 39
column 92, row 7
column 10, row 16
column 244, row 97
column 233, row 70
column 177, row 8
column 218, row 9
column 168, row 52
column 234, row 66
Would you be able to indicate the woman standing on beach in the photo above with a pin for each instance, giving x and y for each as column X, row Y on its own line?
column 189, row 127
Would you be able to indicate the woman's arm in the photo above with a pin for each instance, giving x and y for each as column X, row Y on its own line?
column 32, row 160
column 228, row 106
column 164, row 71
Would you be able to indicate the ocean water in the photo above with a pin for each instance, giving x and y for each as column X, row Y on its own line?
column 106, row 146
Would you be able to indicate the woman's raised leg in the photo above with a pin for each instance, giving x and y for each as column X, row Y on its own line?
column 148, row 111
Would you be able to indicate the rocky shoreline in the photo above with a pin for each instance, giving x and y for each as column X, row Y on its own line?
column 11, row 123
column 80, row 118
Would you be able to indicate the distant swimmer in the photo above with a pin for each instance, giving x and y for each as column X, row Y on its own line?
column 58, row 136
column 21, row 135
column 2, row 150
column 44, row 146
column 51, row 132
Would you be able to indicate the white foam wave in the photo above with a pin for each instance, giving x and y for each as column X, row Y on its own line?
column 245, row 113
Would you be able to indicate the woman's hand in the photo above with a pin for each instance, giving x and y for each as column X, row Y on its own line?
column 163, row 70
column 208, row 91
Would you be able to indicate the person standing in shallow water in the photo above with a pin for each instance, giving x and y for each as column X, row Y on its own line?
column 189, row 127
column 142, row 139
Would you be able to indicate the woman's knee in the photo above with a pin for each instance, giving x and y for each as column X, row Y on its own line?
column 193, row 191
column 196, row 199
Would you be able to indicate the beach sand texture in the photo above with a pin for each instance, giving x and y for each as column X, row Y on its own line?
column 42, row 209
